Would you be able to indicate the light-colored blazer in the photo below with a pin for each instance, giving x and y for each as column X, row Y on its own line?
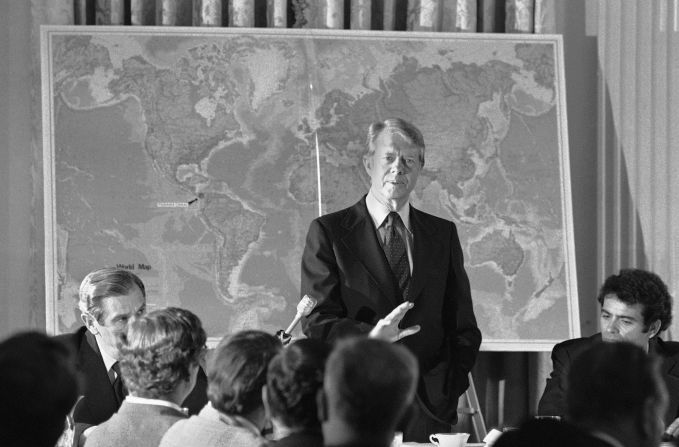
column 135, row 425
column 206, row 429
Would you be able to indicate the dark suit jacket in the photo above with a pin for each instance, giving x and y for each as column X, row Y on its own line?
column 553, row 401
column 98, row 402
column 135, row 425
column 345, row 269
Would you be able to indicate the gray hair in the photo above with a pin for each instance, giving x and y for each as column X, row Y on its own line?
column 399, row 126
column 103, row 283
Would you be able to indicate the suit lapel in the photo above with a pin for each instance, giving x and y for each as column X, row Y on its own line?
column 98, row 383
column 425, row 244
column 361, row 240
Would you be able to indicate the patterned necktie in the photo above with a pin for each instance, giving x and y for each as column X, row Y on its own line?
column 118, row 386
column 396, row 252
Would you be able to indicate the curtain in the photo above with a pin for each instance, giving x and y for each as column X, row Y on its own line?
column 512, row 16
column 638, row 140
column 508, row 384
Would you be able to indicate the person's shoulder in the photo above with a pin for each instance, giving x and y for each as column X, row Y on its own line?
column 339, row 215
column 435, row 223
column 667, row 348
column 577, row 343
column 72, row 339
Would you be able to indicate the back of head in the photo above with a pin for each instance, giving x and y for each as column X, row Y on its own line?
column 612, row 383
column 636, row 286
column 294, row 377
column 236, row 371
column 104, row 283
column 369, row 384
column 158, row 349
column 38, row 387
column 542, row 432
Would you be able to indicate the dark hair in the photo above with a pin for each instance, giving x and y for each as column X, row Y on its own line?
column 609, row 381
column 104, row 283
column 370, row 383
column 295, row 375
column 543, row 432
column 38, row 386
column 632, row 286
column 158, row 349
column 399, row 126
column 236, row 371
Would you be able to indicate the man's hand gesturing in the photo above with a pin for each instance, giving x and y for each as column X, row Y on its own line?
column 387, row 328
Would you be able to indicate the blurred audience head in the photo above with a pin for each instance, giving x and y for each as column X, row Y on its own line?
column 236, row 371
column 635, row 307
column 368, row 387
column 38, row 387
column 543, row 433
column 616, row 388
column 294, row 378
column 108, row 298
column 161, row 351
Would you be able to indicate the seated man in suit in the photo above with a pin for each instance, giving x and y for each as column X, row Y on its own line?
column 159, row 359
column 38, row 388
column 108, row 298
column 368, row 389
column 635, row 307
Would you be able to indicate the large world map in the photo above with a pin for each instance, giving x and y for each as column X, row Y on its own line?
column 198, row 158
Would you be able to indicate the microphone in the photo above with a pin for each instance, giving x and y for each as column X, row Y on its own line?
column 304, row 308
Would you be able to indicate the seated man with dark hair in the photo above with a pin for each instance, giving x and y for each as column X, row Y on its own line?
column 294, row 378
column 635, row 307
column 235, row 414
column 38, row 388
column 160, row 356
column 368, row 388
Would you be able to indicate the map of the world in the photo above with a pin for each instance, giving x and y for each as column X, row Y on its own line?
column 197, row 159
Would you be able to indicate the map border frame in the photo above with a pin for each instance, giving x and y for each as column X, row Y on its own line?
column 48, row 135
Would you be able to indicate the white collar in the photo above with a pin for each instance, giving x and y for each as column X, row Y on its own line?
column 379, row 211
column 108, row 360
column 160, row 402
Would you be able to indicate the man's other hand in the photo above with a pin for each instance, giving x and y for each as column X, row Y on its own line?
column 387, row 328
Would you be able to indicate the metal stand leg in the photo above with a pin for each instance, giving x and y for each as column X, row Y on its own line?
column 474, row 410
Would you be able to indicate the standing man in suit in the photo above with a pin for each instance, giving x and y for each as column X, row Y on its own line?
column 635, row 307
column 383, row 268
column 108, row 298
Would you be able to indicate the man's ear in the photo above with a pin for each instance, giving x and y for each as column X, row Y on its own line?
column 653, row 329
column 322, row 405
column 88, row 321
column 368, row 163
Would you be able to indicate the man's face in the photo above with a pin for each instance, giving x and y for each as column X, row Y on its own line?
column 624, row 322
column 393, row 167
column 116, row 311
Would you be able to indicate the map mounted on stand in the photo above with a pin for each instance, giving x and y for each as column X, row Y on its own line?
column 197, row 158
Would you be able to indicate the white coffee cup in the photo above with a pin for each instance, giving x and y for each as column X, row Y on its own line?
column 449, row 439
column 398, row 440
